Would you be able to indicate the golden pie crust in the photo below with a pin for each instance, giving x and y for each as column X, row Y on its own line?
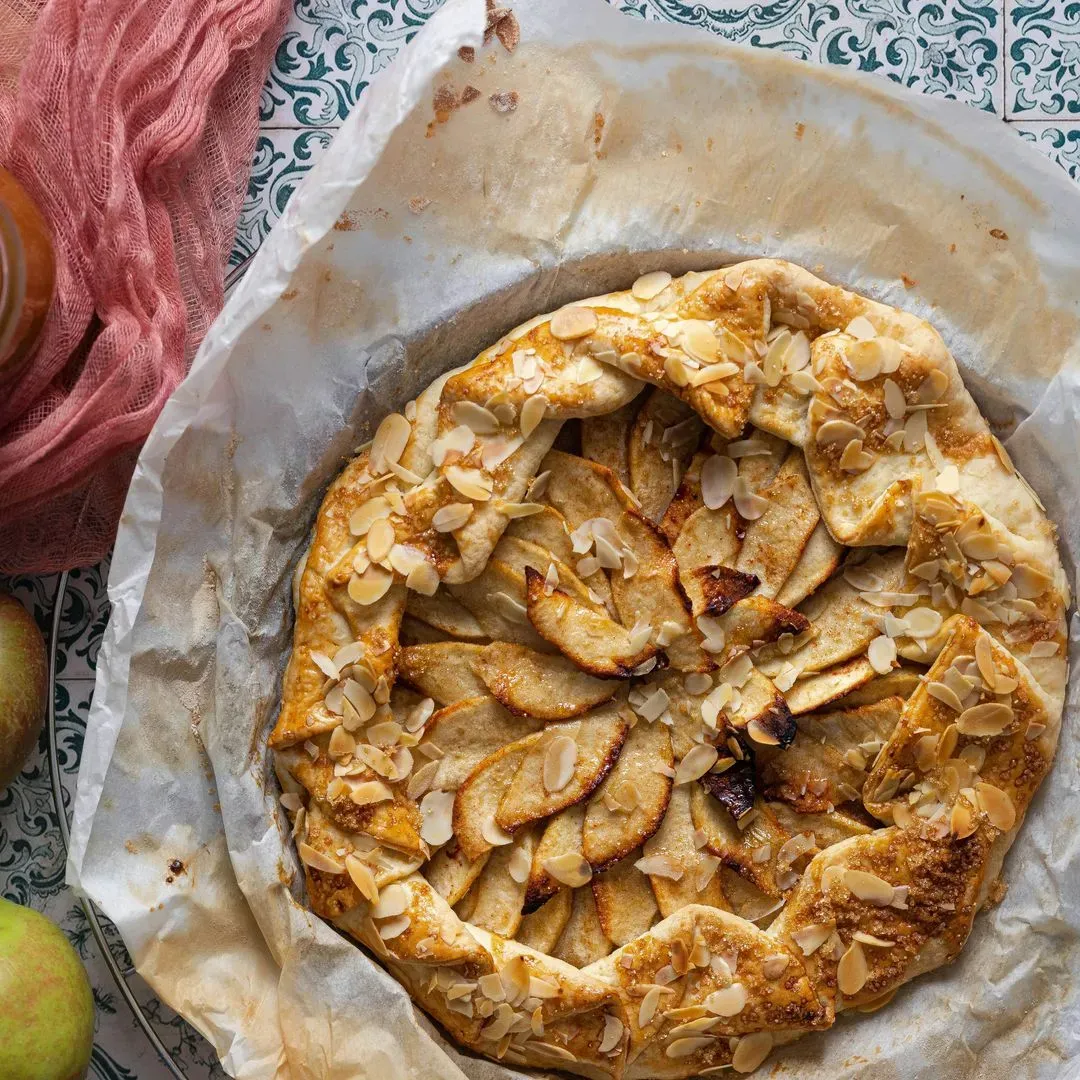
column 673, row 676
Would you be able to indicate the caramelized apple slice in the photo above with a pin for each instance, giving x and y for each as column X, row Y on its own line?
column 540, row 929
column 548, row 687
column 817, row 563
column 604, row 439
column 563, row 766
column 665, row 435
column 460, row 736
column 478, row 798
column 582, row 940
column 450, row 874
column 561, row 836
column 497, row 893
column 443, row 671
column 680, row 874
column 625, row 903
column 627, row 808
column 773, row 543
column 824, row 687
column 596, row 643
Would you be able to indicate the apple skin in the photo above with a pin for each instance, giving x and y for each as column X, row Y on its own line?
column 24, row 684
column 46, row 1007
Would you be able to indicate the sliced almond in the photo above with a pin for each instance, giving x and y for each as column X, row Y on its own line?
column 380, row 539
column 361, row 876
column 882, row 654
column 680, row 1048
column 811, row 938
column 988, row 719
column 869, row 887
column 839, row 432
column 730, row 1001
column 946, row 695
column 532, row 413
column 649, row 1004
column 365, row 515
column 573, row 322
column 317, row 860
column 697, row 762
column 613, row 1033
column 391, row 438
column 570, row 869
column 370, row 792
column 494, row 834
column 750, row 505
column 452, row 517
column 437, row 814
column 751, row 1051
column 718, row 476
column 393, row 901
column 774, row 966
column 371, row 586
column 922, row 622
column 997, row 806
column 559, row 760
column 647, row 287
column 475, row 417
column 852, row 971
column 854, row 458
column 895, row 402
column 472, row 483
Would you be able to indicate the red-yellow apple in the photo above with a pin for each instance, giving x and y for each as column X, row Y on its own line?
column 46, row 1007
column 23, row 685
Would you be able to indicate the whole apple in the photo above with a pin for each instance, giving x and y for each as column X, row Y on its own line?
column 23, row 687
column 46, row 1007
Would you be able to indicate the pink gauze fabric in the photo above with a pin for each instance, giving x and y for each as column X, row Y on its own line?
column 132, row 125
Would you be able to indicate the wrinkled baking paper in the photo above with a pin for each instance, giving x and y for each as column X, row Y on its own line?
column 415, row 241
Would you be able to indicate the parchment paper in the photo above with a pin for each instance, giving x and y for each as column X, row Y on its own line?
column 415, row 241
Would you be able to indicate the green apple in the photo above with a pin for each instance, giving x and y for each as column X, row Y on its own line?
column 46, row 1008
column 23, row 687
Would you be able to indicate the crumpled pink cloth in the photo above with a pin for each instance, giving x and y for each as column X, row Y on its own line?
column 132, row 125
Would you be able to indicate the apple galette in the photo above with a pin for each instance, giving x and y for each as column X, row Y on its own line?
column 673, row 676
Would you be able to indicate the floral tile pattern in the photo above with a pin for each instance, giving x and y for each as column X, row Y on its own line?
column 1020, row 61
column 1061, row 144
column 952, row 48
column 282, row 157
column 1044, row 59
column 330, row 52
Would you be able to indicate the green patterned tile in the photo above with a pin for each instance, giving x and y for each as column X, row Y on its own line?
column 1061, row 143
column 330, row 52
column 282, row 157
column 951, row 49
column 1043, row 59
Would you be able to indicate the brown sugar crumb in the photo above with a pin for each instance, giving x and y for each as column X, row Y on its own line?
column 597, row 128
column 505, row 101
column 419, row 203
column 470, row 93
column 467, row 53
column 800, row 130
column 909, row 282
column 346, row 223
column 444, row 102
column 290, row 294
column 996, row 893
column 999, row 234
column 502, row 23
